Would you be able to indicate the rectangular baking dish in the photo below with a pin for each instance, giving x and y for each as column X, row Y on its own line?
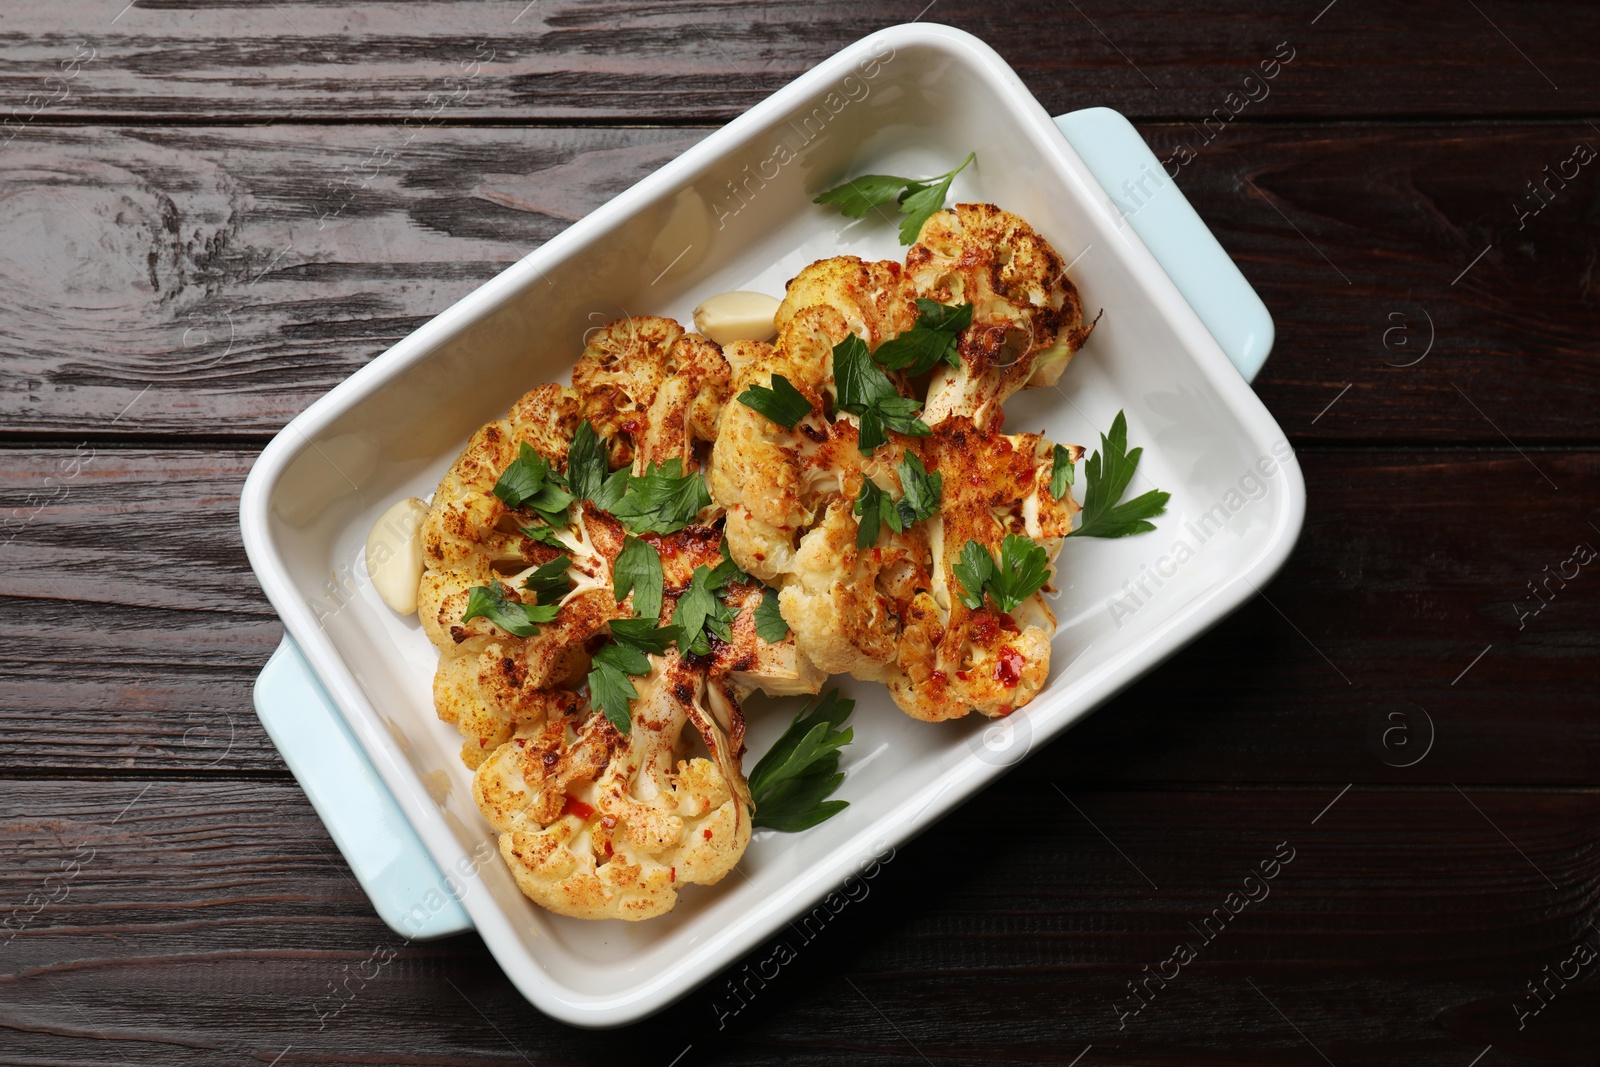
column 348, row 697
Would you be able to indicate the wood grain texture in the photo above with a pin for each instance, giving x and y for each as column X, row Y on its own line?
column 132, row 897
column 215, row 210
column 133, row 575
column 709, row 60
column 216, row 281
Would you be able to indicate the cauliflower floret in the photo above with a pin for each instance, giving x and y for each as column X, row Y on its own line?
column 486, row 694
column 831, row 602
column 886, row 611
column 1027, row 320
column 749, row 662
column 770, row 478
column 600, row 826
column 467, row 526
column 951, row 659
column 489, row 680
column 875, row 299
column 651, row 390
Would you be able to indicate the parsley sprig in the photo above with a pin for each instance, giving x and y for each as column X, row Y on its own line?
column 783, row 403
column 586, row 463
column 1023, row 569
column 770, row 624
column 513, row 616
column 791, row 783
column 922, row 493
column 532, row 483
column 700, row 613
column 615, row 666
column 918, row 198
column 1107, row 475
column 663, row 500
column 932, row 340
column 638, row 570
column 550, row 581
column 866, row 392
column 545, row 535
column 1062, row 471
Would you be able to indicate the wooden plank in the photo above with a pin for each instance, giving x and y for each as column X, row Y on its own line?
column 523, row 61
column 216, row 281
column 127, row 898
column 133, row 628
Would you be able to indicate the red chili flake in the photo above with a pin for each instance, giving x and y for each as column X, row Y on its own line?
column 672, row 873
column 962, row 675
column 708, row 835
column 1007, row 623
column 938, row 677
column 877, row 555
column 1004, row 710
column 1008, row 672
column 609, row 853
column 574, row 806
column 984, row 627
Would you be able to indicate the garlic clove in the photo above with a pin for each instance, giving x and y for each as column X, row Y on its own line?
column 394, row 554
column 737, row 316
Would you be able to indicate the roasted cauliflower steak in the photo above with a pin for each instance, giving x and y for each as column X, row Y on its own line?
column 885, row 610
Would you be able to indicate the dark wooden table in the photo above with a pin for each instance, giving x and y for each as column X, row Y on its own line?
column 213, row 211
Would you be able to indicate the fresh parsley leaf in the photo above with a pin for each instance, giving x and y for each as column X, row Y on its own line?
column 642, row 634
column 866, row 392
column 933, row 338
column 1107, row 475
column 523, row 478
column 1023, row 569
column 783, row 403
column 615, row 665
column 587, row 466
column 663, row 501
column 770, row 626
column 856, row 378
column 514, row 617
column 921, row 493
column 545, row 535
column 612, row 691
column 700, row 611
column 974, row 572
column 918, row 198
column 791, row 783
column 946, row 318
column 875, row 507
column 612, row 490
column 916, row 351
column 549, row 581
column 638, row 570
column 922, row 490
column 625, row 658
column 922, row 204
column 727, row 571
column 1062, row 472
column 531, row 482
column 860, row 195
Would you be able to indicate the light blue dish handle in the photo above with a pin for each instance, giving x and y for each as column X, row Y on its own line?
column 365, row 822
column 1151, row 203
column 404, row 884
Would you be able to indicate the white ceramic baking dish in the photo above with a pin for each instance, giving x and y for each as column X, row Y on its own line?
column 735, row 212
